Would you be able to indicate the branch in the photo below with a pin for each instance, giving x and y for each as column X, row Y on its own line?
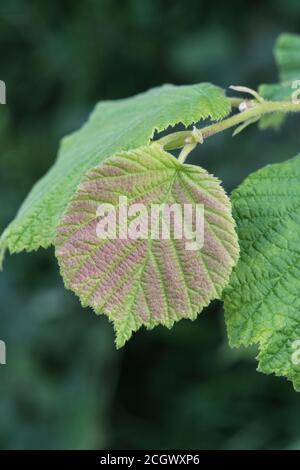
column 254, row 111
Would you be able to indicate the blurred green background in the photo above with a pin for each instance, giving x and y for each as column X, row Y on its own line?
column 65, row 386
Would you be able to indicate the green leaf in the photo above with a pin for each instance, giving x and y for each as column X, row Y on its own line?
column 287, row 57
column 146, row 281
column 274, row 92
column 262, row 302
column 277, row 92
column 113, row 126
column 274, row 120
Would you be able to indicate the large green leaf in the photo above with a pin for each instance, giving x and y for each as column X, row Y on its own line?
column 148, row 280
column 113, row 126
column 262, row 300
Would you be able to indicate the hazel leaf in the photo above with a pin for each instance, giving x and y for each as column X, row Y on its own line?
column 262, row 302
column 151, row 280
column 113, row 126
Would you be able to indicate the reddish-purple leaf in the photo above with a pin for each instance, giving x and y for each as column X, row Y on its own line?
column 148, row 280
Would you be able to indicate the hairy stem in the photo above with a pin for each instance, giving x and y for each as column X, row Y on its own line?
column 255, row 110
column 185, row 151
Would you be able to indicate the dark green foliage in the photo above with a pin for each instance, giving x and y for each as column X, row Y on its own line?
column 64, row 386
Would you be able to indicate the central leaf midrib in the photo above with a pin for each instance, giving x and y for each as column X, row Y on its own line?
column 150, row 243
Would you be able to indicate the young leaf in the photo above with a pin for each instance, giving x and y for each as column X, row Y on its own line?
column 146, row 281
column 262, row 302
column 113, row 126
